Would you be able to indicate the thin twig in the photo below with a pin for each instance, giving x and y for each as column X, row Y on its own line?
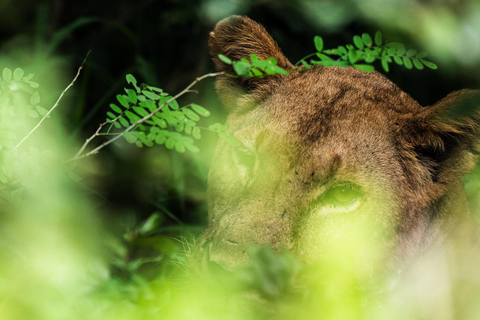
column 136, row 123
column 56, row 103
column 96, row 134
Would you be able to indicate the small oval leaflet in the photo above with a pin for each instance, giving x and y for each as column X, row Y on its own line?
column 18, row 74
column 150, row 95
column 196, row 133
column 225, row 59
column 35, row 99
column 7, row 74
column 407, row 62
column 318, row 41
column 358, row 42
column 115, row 108
column 190, row 114
column 200, row 110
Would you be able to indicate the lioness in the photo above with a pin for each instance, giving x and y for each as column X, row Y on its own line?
column 326, row 152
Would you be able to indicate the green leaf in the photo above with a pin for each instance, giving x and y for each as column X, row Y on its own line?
column 32, row 113
column 140, row 111
column 131, row 95
column 180, row 147
column 196, row 133
column 130, row 137
column 367, row 40
column 400, row 51
column 160, row 122
column 429, row 64
column 398, row 60
column 391, row 51
column 411, row 52
column 280, row 70
column 241, row 68
column 342, row 50
column 324, row 57
column 115, row 108
column 417, row 64
column 111, row 115
column 161, row 137
column 7, row 74
column 369, row 58
column 123, row 122
column 29, row 77
column 352, row 56
column 224, row 59
column 117, row 125
column 131, row 79
column 123, row 100
column 357, row 40
column 318, row 42
column 155, row 89
column 170, row 143
column 132, row 116
column 407, row 62
column 148, row 104
column 257, row 73
column 18, row 74
column 190, row 114
column 144, row 139
column 378, row 38
column 42, row 111
column 180, row 127
column 174, row 105
column 200, row 110
column 192, row 148
column 35, row 98
column 385, row 63
column 33, row 84
column 364, row 67
column 306, row 65
column 421, row 55
column 150, row 95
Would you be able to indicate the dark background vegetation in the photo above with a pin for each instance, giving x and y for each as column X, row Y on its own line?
column 164, row 43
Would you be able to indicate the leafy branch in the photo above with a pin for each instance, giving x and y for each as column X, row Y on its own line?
column 366, row 51
column 147, row 115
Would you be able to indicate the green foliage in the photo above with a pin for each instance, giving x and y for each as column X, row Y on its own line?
column 255, row 67
column 151, row 116
column 19, row 107
column 364, row 52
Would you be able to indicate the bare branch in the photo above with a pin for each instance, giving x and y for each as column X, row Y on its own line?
column 132, row 126
column 55, row 105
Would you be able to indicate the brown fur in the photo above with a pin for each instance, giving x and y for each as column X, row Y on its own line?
column 310, row 131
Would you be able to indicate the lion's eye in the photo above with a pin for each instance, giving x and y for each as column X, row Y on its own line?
column 343, row 194
column 245, row 158
column 245, row 161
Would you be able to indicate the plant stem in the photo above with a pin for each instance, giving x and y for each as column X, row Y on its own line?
column 55, row 105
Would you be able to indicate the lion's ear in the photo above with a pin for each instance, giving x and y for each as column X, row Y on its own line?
column 238, row 37
column 446, row 135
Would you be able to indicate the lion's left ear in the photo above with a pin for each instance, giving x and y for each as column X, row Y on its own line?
column 446, row 137
column 238, row 37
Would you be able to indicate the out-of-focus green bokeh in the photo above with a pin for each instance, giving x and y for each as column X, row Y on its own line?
column 105, row 237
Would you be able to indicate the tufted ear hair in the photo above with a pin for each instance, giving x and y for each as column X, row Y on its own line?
column 446, row 136
column 238, row 37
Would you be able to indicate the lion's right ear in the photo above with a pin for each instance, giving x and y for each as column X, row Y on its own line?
column 238, row 37
column 446, row 136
